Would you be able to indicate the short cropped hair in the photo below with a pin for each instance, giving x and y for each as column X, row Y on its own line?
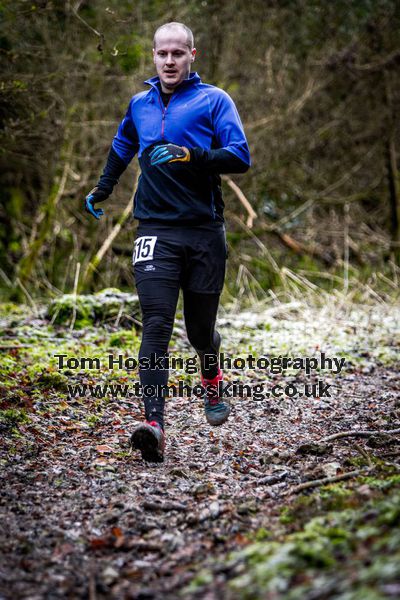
column 173, row 25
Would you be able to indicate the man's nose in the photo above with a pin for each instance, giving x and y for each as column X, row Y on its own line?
column 170, row 59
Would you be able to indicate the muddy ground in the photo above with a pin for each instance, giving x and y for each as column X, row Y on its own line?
column 245, row 510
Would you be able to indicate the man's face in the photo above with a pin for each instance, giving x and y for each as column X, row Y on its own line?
column 172, row 57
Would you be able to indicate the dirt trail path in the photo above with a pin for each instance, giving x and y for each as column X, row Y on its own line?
column 83, row 517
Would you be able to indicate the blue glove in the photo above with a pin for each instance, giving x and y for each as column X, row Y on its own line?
column 94, row 196
column 166, row 153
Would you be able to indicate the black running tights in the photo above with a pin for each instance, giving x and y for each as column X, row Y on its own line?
column 158, row 300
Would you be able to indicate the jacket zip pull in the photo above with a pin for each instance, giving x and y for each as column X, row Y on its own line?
column 163, row 112
column 163, row 122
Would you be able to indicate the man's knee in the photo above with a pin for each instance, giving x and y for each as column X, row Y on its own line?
column 158, row 327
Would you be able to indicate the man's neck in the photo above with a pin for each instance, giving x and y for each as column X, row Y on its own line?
column 169, row 90
column 166, row 96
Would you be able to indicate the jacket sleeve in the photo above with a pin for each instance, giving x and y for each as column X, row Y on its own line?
column 126, row 141
column 231, row 154
column 124, row 147
column 113, row 169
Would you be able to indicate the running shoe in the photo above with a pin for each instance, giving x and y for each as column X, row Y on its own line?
column 149, row 438
column 217, row 411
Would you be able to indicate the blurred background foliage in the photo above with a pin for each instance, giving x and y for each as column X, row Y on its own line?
column 316, row 84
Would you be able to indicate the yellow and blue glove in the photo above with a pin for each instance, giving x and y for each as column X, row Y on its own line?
column 168, row 153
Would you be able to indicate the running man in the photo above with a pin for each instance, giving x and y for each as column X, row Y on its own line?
column 185, row 133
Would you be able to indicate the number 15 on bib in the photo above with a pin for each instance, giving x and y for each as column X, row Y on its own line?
column 144, row 248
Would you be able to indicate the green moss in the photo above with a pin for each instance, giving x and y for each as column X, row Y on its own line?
column 379, row 483
column 335, row 496
column 319, row 549
column 12, row 418
column 85, row 310
column 355, row 461
column 390, row 515
column 122, row 454
column 202, row 578
column 52, row 379
column 122, row 339
column 337, row 530
column 92, row 420
column 286, row 515
column 321, row 541
column 61, row 310
column 300, row 510
column 262, row 534
column 8, row 309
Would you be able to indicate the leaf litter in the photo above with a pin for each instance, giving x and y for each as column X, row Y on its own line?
column 86, row 517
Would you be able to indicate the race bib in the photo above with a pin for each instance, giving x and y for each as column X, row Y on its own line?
column 144, row 248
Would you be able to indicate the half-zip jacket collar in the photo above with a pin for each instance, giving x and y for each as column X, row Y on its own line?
column 155, row 84
column 191, row 80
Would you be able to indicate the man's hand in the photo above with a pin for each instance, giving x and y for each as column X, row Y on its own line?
column 94, row 196
column 167, row 153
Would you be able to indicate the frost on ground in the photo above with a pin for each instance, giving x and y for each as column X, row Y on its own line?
column 295, row 328
column 264, row 506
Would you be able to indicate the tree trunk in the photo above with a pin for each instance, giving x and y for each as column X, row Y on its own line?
column 392, row 171
column 46, row 220
column 394, row 195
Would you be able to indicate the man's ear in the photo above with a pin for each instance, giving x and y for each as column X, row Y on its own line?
column 154, row 56
column 193, row 54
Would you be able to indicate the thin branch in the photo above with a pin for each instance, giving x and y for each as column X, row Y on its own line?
column 363, row 453
column 5, row 278
column 326, row 480
column 347, row 175
column 298, row 247
column 259, row 243
column 294, row 107
column 297, row 211
column 251, row 212
column 27, row 294
column 75, row 12
column 379, row 65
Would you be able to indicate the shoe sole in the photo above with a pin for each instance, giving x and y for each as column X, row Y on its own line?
column 147, row 443
column 217, row 422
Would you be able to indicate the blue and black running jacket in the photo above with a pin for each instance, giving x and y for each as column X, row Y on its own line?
column 199, row 116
